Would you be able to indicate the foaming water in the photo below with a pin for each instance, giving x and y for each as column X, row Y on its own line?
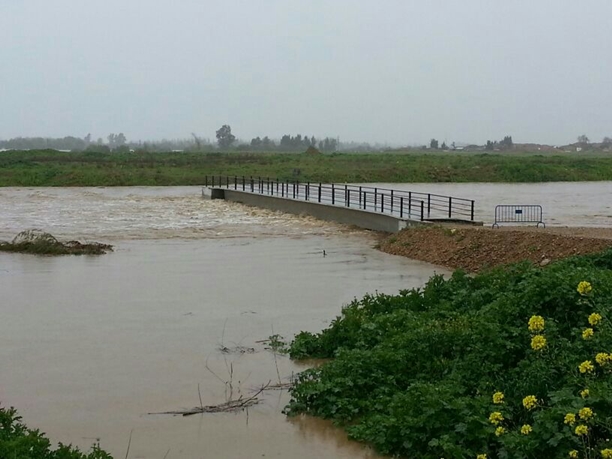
column 143, row 213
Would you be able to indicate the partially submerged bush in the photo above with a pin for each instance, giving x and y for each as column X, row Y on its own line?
column 40, row 243
column 18, row 441
column 512, row 363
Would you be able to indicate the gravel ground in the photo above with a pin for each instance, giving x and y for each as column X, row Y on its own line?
column 478, row 248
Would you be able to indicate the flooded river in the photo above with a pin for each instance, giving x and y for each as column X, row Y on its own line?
column 90, row 345
column 563, row 203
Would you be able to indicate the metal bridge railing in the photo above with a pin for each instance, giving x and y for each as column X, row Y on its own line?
column 399, row 203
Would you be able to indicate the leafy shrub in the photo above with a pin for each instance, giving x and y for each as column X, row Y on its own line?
column 414, row 374
column 19, row 442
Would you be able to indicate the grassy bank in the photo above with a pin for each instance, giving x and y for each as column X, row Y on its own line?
column 511, row 363
column 52, row 168
column 20, row 442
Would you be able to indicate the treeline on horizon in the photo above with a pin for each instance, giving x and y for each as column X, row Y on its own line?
column 227, row 141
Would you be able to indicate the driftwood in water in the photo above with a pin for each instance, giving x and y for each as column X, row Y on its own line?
column 38, row 242
column 238, row 404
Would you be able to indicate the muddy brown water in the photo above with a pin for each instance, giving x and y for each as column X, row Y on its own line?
column 90, row 345
column 563, row 203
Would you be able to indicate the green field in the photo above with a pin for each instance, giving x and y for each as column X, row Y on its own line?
column 52, row 168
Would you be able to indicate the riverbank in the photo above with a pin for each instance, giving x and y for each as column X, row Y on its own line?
column 53, row 168
column 475, row 249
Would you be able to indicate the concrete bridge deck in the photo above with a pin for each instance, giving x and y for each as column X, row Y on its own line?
column 370, row 208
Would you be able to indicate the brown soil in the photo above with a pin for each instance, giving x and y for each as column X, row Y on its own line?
column 478, row 248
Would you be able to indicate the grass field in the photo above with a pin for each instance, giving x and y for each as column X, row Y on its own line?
column 52, row 168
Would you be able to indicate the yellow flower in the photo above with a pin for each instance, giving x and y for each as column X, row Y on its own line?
column 594, row 319
column 602, row 358
column 496, row 417
column 606, row 453
column 481, row 456
column 587, row 333
column 584, row 393
column 585, row 413
column 498, row 398
column 582, row 430
column 536, row 323
column 500, row 431
column 526, row 429
column 573, row 454
column 584, row 288
column 570, row 419
column 538, row 342
column 530, row 402
column 586, row 367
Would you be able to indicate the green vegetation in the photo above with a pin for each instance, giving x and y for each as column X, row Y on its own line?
column 511, row 363
column 53, row 168
column 19, row 442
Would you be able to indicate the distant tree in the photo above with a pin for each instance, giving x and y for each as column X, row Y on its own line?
column 225, row 138
column 120, row 139
column 506, row 143
column 285, row 142
column 87, row 139
column 267, row 144
column 444, row 146
column 433, row 144
column 490, row 146
column 116, row 140
column 256, row 143
column 197, row 140
column 583, row 139
column 607, row 141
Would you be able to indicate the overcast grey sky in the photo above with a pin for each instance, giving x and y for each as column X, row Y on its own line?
column 397, row 71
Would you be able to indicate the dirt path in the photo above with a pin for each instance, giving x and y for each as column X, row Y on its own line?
column 477, row 248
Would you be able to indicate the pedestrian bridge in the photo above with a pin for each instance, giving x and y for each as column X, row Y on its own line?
column 378, row 209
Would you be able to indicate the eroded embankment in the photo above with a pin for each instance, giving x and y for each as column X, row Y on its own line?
column 475, row 249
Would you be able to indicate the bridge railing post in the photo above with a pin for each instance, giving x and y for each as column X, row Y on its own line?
column 348, row 198
column 428, row 205
column 243, row 183
column 359, row 197
column 422, row 211
column 375, row 199
column 319, row 192
column 382, row 202
column 206, row 181
column 472, row 212
column 227, row 181
column 252, row 184
column 409, row 204
column 235, row 182
column 401, row 207
column 450, row 207
column 333, row 194
column 365, row 199
column 391, row 205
